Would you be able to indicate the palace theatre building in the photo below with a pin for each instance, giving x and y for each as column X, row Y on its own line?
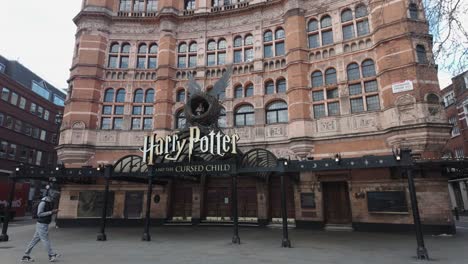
column 310, row 80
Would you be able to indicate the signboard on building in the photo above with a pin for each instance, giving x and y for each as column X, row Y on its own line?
column 402, row 86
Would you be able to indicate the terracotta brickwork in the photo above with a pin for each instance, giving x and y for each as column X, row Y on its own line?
column 385, row 35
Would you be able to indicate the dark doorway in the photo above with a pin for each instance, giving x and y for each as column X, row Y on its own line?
column 218, row 199
column 336, row 203
column 133, row 204
column 275, row 197
column 458, row 195
column 181, row 200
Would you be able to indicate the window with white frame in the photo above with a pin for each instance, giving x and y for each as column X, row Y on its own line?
column 449, row 98
column 455, row 129
column 2, row 68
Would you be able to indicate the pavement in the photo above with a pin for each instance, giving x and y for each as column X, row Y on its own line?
column 212, row 245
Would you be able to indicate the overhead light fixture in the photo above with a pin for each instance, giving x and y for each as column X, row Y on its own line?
column 396, row 153
column 337, row 157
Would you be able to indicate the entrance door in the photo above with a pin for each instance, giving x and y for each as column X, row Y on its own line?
column 247, row 202
column 336, row 203
column 275, row 197
column 218, row 199
column 182, row 200
column 133, row 204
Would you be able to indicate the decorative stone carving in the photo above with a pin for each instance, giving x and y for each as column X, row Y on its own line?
column 79, row 125
column 362, row 122
column 276, row 131
column 108, row 137
column 327, row 125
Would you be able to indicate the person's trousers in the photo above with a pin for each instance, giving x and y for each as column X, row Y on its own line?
column 41, row 234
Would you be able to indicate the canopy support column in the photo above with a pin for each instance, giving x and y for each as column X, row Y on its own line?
column 7, row 214
column 284, row 213
column 235, row 237
column 149, row 194
column 107, row 175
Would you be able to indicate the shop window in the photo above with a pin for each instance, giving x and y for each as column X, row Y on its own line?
column 91, row 204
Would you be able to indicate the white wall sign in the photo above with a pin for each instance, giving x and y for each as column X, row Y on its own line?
column 402, row 86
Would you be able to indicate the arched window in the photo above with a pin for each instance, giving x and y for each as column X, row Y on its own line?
column 368, row 68
column 238, row 41
column 353, row 72
column 138, row 96
column 325, row 22
column 126, row 48
column 267, row 36
column 244, row 116
column 248, row 40
column 193, row 47
column 222, row 44
column 182, row 47
column 142, row 49
column 249, row 90
column 281, row 86
column 149, row 97
column 120, row 97
column 346, row 15
column 327, row 34
column 421, row 54
column 269, row 87
column 432, row 98
column 180, row 96
column 185, row 55
column 317, row 79
column 330, row 76
column 312, row 25
column 109, row 95
column 277, row 112
column 153, row 49
column 114, row 48
column 211, row 45
column 279, row 33
column 413, row 10
column 222, row 121
column 238, row 91
column 189, row 4
column 180, row 119
column 361, row 11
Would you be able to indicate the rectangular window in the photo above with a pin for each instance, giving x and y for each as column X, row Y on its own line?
column 3, row 149
column 314, row 41
column 113, row 62
column 327, row 37
column 136, row 110
column 192, row 61
column 373, row 103
column 148, row 110
column 107, row 110
column 388, row 201
column 181, row 62
column 46, row 115
column 348, row 32
column 362, row 27
column 12, row 151
column 58, row 101
column 455, row 129
column 147, row 123
column 1, row 119
column 18, row 125
column 37, row 88
column 333, row 93
column 124, row 62
column 357, row 105
column 23, row 153
column 317, row 96
column 14, row 98
column 370, row 86
column 32, row 108
column 141, row 61
column 333, row 109
column 211, row 59
column 308, row 200
column 136, row 123
column 9, row 122
column 355, row 89
column 267, row 51
column 5, row 94
column 118, row 110
column 27, row 129
column 36, row 132
column 22, row 103
column 279, row 48
column 118, row 123
column 38, row 158
column 221, row 58
column 40, row 111
column 152, row 62
column 106, row 123
column 319, row 111
column 43, row 135
column 248, row 55
column 237, row 56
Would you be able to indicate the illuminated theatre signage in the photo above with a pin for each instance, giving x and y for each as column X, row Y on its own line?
column 171, row 147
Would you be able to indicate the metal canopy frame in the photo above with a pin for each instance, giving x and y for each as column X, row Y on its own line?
column 259, row 162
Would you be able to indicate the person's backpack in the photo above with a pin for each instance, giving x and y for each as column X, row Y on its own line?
column 35, row 207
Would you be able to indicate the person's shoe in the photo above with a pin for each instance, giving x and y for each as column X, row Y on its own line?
column 27, row 259
column 54, row 257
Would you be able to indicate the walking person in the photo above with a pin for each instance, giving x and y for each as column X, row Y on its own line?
column 44, row 218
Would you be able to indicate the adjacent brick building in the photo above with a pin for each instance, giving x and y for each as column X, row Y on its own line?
column 310, row 79
column 455, row 99
column 28, row 109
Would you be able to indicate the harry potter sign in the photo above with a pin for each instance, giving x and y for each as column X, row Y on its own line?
column 172, row 147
